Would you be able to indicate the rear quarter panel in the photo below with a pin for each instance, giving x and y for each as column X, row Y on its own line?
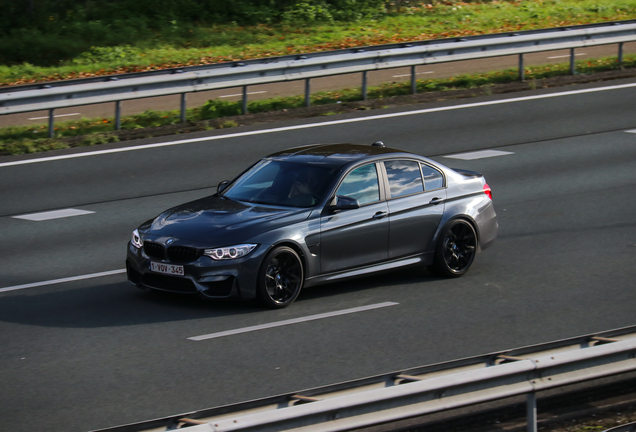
column 465, row 198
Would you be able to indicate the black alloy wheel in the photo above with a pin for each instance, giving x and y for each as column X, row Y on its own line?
column 281, row 277
column 455, row 250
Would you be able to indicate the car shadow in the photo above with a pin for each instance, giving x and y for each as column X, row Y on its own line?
column 120, row 304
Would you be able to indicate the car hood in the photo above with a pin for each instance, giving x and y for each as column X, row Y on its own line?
column 214, row 221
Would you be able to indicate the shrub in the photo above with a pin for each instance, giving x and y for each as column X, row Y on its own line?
column 213, row 109
column 39, row 48
column 276, row 104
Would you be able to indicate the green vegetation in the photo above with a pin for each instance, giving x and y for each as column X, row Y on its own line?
column 59, row 39
column 21, row 140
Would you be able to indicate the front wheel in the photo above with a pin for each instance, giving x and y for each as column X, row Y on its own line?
column 455, row 249
column 281, row 277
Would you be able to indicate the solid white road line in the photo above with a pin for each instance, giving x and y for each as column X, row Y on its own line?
column 55, row 214
column 479, row 154
column 57, row 115
column 63, row 280
column 631, row 131
column 327, row 123
column 292, row 321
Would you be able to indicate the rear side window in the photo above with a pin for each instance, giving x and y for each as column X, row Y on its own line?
column 432, row 178
column 361, row 184
column 405, row 177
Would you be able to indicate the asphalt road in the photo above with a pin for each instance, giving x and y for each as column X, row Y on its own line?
column 93, row 353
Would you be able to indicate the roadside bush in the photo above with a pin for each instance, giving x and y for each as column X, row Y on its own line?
column 97, row 139
column 356, row 10
column 307, row 12
column 276, row 104
column 35, row 47
column 114, row 55
column 25, row 146
column 215, row 108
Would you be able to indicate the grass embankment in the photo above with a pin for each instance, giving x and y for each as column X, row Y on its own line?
column 441, row 20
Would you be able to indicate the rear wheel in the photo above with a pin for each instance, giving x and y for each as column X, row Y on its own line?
column 455, row 249
column 281, row 277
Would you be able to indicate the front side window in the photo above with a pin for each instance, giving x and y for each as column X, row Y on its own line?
column 361, row 184
column 404, row 176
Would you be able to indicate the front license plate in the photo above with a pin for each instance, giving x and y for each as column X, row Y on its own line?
column 169, row 269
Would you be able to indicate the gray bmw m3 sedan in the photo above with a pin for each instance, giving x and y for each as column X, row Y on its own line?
column 316, row 214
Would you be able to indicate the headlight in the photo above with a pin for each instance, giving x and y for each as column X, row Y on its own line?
column 230, row 252
column 136, row 240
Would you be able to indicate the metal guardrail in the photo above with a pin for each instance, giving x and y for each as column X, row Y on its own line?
column 421, row 391
column 630, row 427
column 266, row 71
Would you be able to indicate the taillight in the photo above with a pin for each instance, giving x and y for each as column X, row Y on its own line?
column 487, row 190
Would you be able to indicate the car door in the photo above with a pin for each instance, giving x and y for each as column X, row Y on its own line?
column 416, row 205
column 356, row 237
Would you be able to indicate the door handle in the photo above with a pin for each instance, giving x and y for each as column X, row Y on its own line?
column 379, row 215
column 436, row 201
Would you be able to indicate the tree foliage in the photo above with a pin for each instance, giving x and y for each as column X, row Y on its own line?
column 43, row 14
column 45, row 32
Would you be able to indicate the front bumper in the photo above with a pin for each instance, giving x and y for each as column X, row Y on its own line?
column 214, row 279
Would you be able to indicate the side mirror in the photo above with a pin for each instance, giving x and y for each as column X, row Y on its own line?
column 222, row 186
column 341, row 202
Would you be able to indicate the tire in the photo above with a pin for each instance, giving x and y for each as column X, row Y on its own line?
column 281, row 278
column 455, row 249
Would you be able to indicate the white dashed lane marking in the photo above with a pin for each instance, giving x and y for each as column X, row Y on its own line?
column 241, row 94
column 631, row 131
column 58, row 115
column 56, row 214
column 478, row 154
column 292, row 321
column 565, row 56
column 419, row 73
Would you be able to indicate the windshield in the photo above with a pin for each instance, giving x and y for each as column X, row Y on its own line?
column 281, row 183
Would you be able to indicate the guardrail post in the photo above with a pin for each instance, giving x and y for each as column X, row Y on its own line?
column 531, row 407
column 183, row 107
column 364, row 85
column 51, row 122
column 307, row 93
column 522, row 70
column 117, row 115
column 413, row 80
column 620, row 54
column 572, row 64
column 244, row 105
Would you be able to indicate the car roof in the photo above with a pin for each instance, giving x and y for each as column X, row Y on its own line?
column 334, row 155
